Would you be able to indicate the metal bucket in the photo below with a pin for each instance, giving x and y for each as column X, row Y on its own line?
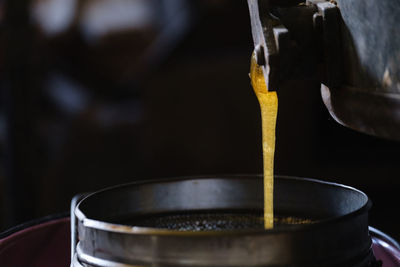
column 215, row 221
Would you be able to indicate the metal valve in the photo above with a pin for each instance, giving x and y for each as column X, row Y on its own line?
column 296, row 40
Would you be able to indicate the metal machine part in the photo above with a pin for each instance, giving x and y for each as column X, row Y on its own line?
column 351, row 47
column 113, row 231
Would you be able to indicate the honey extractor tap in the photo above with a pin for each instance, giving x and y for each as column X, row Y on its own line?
column 351, row 47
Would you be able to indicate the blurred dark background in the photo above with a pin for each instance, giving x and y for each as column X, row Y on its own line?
column 96, row 93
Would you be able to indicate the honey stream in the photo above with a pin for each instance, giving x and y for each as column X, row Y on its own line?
column 269, row 108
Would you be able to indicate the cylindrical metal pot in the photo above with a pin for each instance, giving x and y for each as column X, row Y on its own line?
column 144, row 223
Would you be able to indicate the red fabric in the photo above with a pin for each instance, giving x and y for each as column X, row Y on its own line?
column 386, row 252
column 43, row 245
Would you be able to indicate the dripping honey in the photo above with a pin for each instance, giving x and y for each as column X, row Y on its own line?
column 269, row 108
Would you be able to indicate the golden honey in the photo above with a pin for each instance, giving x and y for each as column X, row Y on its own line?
column 269, row 108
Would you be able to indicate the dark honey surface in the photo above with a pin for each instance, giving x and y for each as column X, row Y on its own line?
column 211, row 221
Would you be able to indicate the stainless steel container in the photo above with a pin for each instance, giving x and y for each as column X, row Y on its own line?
column 212, row 221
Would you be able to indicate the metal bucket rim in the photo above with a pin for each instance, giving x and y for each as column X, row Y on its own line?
column 138, row 230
